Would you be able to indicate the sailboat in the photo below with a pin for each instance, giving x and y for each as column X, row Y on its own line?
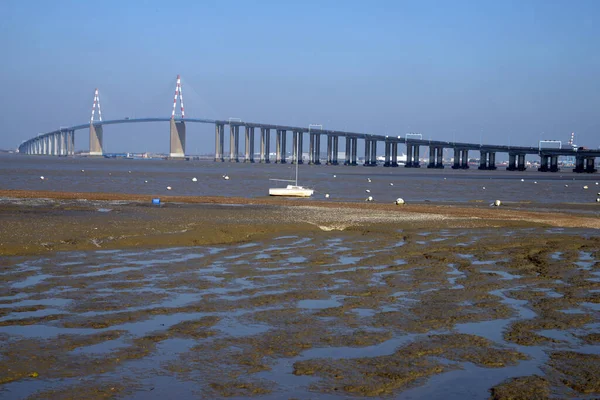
column 292, row 190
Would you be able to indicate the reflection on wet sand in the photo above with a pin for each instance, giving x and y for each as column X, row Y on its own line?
column 322, row 314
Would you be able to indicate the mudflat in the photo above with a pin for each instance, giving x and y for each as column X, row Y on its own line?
column 106, row 295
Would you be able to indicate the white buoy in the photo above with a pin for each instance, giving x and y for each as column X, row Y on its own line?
column 110, row 173
column 535, row 182
column 598, row 200
column 194, row 179
column 596, row 183
column 497, row 203
column 368, row 191
column 168, row 187
column 399, row 201
column 326, row 195
column 483, row 188
column 444, row 178
column 145, row 181
column 585, row 187
column 566, row 185
column 369, row 180
column 370, row 198
column 522, row 180
column 335, row 176
column 83, row 170
column 391, row 184
column 226, row 177
column 42, row 177
column 129, row 171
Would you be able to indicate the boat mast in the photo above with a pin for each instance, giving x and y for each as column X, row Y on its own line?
column 297, row 155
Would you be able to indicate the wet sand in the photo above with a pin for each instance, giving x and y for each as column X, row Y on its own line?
column 107, row 296
column 37, row 221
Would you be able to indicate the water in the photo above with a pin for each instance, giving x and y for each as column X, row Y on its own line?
column 252, row 180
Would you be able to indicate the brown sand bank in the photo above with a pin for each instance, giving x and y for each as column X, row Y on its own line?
column 61, row 221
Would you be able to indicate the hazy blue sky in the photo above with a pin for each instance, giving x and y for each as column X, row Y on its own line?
column 496, row 71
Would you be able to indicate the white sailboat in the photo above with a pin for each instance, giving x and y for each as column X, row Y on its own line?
column 292, row 190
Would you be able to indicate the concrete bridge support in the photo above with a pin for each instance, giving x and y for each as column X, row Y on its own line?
column 219, row 142
column 412, row 156
column 492, row 160
column 96, row 133
column 456, row 164
column 314, row 149
column 354, row 160
column 544, row 159
column 521, row 162
column 554, row 164
column 373, row 157
column 394, row 160
column 431, row 162
column 295, row 147
column 332, row 150
column 336, row 140
column 483, row 159
column 440, row 158
column 249, row 144
column 348, row 152
column 585, row 164
column 512, row 162
column 234, row 143
column 278, row 135
column 366, row 162
column 265, row 145
column 388, row 154
column 177, row 135
column 71, row 140
column 465, row 159
column 283, row 147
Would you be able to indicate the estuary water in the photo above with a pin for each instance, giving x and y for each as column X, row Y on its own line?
column 342, row 183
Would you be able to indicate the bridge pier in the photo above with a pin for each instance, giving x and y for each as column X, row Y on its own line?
column 521, row 162
column 544, row 163
column 177, row 139
column 295, row 147
column 367, row 161
column 492, row 160
column 465, row 159
column 96, row 147
column 554, row 164
column 483, row 159
column 412, row 156
column 512, row 162
column 335, row 149
column 387, row 156
column 265, row 145
column 431, row 162
column 249, row 144
column 440, row 158
column 394, row 160
column 284, row 147
column 585, row 164
column 219, row 142
column 348, row 152
column 330, row 155
column 277, row 146
column 314, row 149
column 234, row 142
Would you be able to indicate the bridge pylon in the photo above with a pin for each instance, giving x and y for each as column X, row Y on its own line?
column 96, row 131
column 177, row 128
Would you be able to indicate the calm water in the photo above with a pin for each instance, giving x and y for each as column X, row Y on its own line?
column 252, row 180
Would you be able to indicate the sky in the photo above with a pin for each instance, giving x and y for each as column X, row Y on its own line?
column 481, row 71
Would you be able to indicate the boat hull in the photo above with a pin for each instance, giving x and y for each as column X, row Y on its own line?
column 291, row 191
